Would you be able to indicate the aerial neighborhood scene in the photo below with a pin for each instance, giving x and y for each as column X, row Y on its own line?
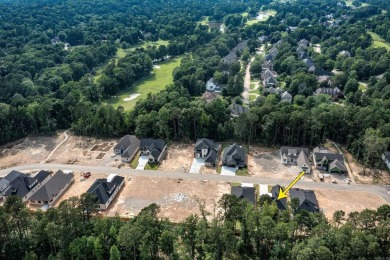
column 205, row 129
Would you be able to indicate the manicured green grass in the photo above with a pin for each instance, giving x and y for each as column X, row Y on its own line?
column 235, row 184
column 255, row 20
column 242, row 172
column 252, row 97
column 251, row 22
column 148, row 44
column 154, row 83
column 245, row 14
column 153, row 167
column 252, row 86
column 134, row 162
column 378, row 42
column 362, row 87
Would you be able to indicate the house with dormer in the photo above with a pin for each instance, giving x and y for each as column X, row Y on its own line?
column 105, row 190
column 154, row 149
column 296, row 156
column 329, row 161
column 208, row 150
column 234, row 156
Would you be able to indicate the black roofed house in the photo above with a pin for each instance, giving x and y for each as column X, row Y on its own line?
column 248, row 193
column 236, row 110
column 267, row 64
column 155, row 149
column 207, row 149
column 307, row 199
column 282, row 203
column 327, row 160
column 385, row 158
column 23, row 185
column 105, row 190
column 52, row 189
column 289, row 155
column 127, row 147
column 234, row 156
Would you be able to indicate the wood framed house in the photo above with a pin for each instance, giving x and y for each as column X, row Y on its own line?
column 154, row 149
column 208, row 150
column 106, row 190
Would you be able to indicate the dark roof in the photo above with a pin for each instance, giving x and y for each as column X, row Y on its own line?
column 298, row 150
column 234, row 154
column 237, row 109
column 329, row 156
column 282, row 203
column 244, row 193
column 126, row 141
column 133, row 146
column 22, row 183
column 212, row 156
column 155, row 146
column 307, row 199
column 3, row 184
column 52, row 187
column 387, row 156
column 103, row 189
column 205, row 143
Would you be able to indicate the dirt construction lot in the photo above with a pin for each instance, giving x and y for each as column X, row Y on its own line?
column 32, row 149
column 348, row 201
column 177, row 200
column 266, row 163
column 178, row 158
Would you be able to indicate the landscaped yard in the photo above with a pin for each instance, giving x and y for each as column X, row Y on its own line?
column 157, row 81
column 378, row 42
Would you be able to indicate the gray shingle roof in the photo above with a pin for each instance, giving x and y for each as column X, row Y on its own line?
column 20, row 183
column 52, row 187
column 234, row 155
column 104, row 190
column 155, row 146
column 244, row 193
column 128, row 141
column 302, row 159
column 337, row 164
column 282, row 203
column 307, row 199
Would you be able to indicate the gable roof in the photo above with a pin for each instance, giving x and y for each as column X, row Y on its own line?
column 126, row 141
column 329, row 156
column 205, row 143
column 155, row 146
column 53, row 186
column 296, row 150
column 337, row 164
column 104, row 190
column 244, row 193
column 20, row 183
column 132, row 145
column 307, row 199
column 286, row 95
column 234, row 153
column 282, row 203
column 237, row 109
column 302, row 159
column 268, row 74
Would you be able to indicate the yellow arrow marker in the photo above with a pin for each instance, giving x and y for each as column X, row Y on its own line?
column 283, row 194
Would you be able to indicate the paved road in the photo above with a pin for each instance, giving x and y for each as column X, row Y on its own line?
column 382, row 191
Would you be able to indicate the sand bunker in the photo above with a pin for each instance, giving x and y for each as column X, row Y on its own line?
column 132, row 96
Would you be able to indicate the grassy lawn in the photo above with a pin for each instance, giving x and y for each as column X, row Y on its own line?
column 149, row 44
column 134, row 162
column 242, row 172
column 264, row 15
column 349, row 3
column 378, row 42
column 252, row 86
column 252, row 97
column 362, row 87
column 235, row 184
column 154, row 83
column 245, row 14
column 153, row 167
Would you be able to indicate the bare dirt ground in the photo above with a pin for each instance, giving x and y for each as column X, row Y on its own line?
column 85, row 151
column 372, row 176
column 265, row 162
column 208, row 170
column 348, row 201
column 178, row 158
column 32, row 149
column 79, row 187
column 177, row 200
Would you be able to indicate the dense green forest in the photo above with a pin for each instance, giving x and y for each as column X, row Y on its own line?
column 51, row 51
column 238, row 231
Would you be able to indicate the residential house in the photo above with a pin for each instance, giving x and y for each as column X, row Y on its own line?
column 324, row 79
column 279, row 90
column 289, row 155
column 52, row 189
column 262, row 39
column 266, row 65
column 282, row 203
column 234, row 156
column 307, row 199
column 335, row 92
column 329, row 161
column 248, row 193
column 155, row 149
column 212, row 86
column 303, row 163
column 22, row 185
column 273, row 52
column 207, row 149
column 232, row 56
column 345, row 54
column 269, row 73
column 271, row 90
column 303, row 42
column 105, row 190
column 236, row 110
column 127, row 147
column 385, row 158
column 268, row 57
column 209, row 96
column 270, row 82
column 310, row 65
column 286, row 97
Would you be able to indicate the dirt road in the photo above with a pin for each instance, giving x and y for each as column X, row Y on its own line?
column 247, row 82
column 58, row 146
column 380, row 190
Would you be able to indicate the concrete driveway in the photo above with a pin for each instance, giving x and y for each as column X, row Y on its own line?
column 197, row 163
column 143, row 160
column 228, row 171
column 264, row 190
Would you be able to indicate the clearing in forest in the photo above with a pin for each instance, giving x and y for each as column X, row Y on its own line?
column 156, row 82
column 261, row 17
column 379, row 42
